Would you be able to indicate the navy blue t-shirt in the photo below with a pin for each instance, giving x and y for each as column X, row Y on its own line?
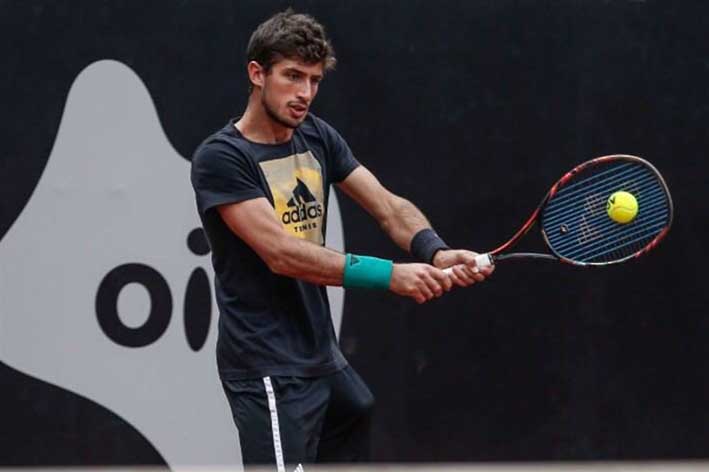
column 270, row 324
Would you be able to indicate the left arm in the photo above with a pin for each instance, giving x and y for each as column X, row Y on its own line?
column 401, row 220
column 398, row 217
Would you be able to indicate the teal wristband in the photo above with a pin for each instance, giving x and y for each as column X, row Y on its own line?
column 367, row 272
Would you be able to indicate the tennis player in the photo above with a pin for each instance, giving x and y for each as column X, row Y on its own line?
column 261, row 185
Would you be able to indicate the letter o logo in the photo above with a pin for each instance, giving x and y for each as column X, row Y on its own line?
column 107, row 305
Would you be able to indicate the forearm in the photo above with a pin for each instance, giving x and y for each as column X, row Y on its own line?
column 300, row 259
column 402, row 221
column 398, row 217
column 254, row 222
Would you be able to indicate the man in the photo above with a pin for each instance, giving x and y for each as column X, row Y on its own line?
column 262, row 186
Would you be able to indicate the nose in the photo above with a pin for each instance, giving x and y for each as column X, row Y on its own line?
column 305, row 91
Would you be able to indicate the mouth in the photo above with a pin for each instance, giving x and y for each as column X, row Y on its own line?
column 298, row 109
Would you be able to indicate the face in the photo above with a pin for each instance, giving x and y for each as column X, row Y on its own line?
column 288, row 89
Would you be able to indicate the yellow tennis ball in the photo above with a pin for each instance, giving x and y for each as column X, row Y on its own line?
column 622, row 207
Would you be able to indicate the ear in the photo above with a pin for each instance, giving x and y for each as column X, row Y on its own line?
column 257, row 74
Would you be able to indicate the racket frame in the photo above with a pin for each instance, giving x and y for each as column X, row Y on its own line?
column 496, row 254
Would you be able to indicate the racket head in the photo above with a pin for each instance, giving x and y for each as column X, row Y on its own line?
column 574, row 221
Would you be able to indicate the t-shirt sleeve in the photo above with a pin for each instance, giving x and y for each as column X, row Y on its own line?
column 341, row 160
column 221, row 174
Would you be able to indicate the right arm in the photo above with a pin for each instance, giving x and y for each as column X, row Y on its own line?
column 254, row 222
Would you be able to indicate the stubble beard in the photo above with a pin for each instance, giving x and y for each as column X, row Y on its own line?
column 271, row 112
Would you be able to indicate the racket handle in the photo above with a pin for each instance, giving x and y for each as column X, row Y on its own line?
column 481, row 261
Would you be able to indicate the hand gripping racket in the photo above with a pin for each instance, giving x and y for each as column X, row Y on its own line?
column 575, row 215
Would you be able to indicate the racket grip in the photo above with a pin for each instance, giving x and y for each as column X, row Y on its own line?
column 481, row 261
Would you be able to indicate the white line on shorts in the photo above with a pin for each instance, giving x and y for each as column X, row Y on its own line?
column 274, row 424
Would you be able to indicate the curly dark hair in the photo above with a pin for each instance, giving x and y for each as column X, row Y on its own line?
column 290, row 35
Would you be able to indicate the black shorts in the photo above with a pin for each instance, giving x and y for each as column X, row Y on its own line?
column 289, row 421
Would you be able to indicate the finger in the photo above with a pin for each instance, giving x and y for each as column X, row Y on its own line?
column 473, row 268
column 429, row 277
column 468, row 258
column 433, row 284
column 476, row 273
column 464, row 275
column 488, row 270
column 453, row 276
column 442, row 278
column 425, row 290
column 447, row 283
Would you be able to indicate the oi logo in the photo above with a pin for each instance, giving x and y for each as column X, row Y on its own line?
column 197, row 303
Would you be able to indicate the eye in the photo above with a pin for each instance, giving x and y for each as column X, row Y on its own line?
column 293, row 76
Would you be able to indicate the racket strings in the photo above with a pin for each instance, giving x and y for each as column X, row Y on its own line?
column 619, row 170
column 618, row 242
column 568, row 202
column 653, row 202
column 597, row 209
column 576, row 223
column 590, row 233
column 623, row 244
column 620, row 249
column 597, row 196
column 615, row 243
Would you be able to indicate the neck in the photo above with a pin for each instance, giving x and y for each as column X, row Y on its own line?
column 257, row 126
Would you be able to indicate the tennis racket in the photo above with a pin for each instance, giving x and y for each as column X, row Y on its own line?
column 575, row 222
